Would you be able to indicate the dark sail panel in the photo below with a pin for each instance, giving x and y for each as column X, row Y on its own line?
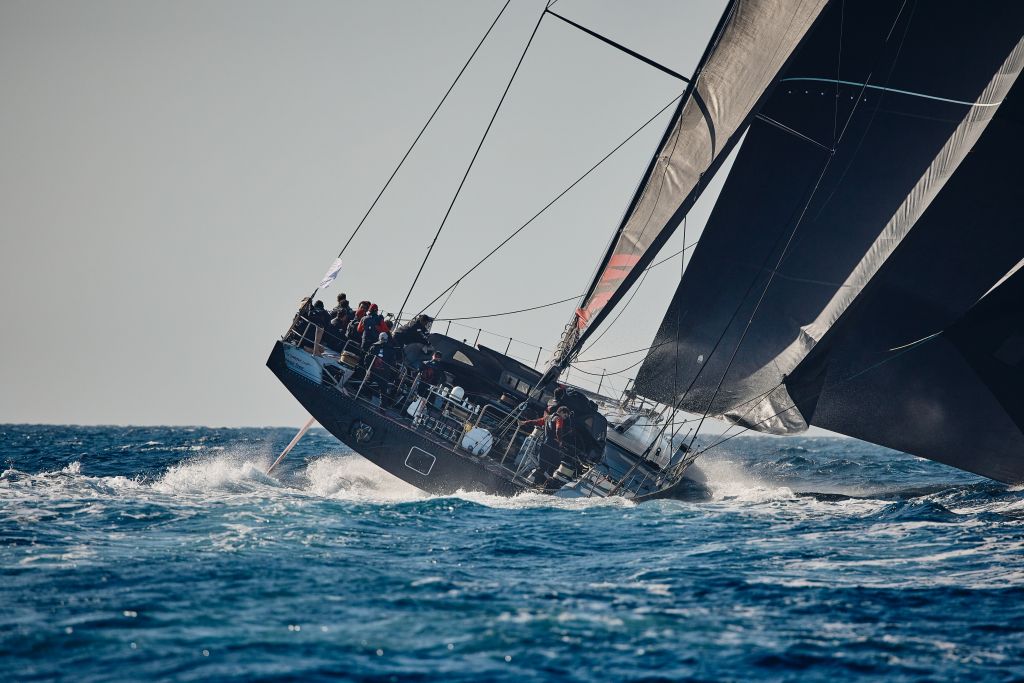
column 872, row 117
column 930, row 357
column 754, row 40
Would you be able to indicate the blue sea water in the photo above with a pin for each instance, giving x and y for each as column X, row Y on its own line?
column 166, row 553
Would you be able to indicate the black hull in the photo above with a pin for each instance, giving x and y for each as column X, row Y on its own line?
column 430, row 464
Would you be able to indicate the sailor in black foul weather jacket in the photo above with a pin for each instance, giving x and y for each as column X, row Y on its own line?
column 341, row 314
column 414, row 332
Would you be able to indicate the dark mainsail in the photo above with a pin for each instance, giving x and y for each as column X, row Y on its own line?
column 753, row 41
column 875, row 113
column 929, row 359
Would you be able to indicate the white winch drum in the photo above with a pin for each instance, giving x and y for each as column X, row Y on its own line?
column 478, row 441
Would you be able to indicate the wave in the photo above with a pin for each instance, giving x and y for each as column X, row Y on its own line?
column 791, row 480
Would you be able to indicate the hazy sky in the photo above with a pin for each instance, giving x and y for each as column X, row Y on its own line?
column 175, row 176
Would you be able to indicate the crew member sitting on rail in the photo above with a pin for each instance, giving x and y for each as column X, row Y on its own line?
column 352, row 332
column 318, row 315
column 342, row 313
column 334, row 335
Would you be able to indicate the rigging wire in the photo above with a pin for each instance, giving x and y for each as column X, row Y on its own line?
column 498, row 315
column 608, row 374
column 626, row 353
column 422, row 131
column 446, row 300
column 469, row 168
column 561, row 194
column 540, row 306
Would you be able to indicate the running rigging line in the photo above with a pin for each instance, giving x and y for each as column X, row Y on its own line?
column 498, row 315
column 469, row 168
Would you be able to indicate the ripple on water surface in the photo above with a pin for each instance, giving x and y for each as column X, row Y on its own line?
column 133, row 553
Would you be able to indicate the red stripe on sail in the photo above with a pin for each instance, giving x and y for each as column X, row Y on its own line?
column 596, row 303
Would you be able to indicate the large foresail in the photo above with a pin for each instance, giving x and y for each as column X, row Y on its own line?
column 930, row 357
column 877, row 111
column 752, row 43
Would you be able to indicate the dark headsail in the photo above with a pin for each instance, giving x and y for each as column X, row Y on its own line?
column 753, row 41
column 880, row 106
column 929, row 359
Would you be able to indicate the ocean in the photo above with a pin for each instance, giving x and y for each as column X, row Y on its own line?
column 158, row 553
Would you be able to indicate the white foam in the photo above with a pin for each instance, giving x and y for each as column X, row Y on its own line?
column 227, row 471
column 352, row 477
column 731, row 481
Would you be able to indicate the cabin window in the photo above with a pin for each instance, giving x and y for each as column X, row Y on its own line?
column 516, row 384
column 462, row 358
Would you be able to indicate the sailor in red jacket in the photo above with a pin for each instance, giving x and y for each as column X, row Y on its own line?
column 369, row 326
column 557, row 427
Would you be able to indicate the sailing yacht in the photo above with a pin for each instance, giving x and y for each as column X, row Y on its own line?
column 860, row 270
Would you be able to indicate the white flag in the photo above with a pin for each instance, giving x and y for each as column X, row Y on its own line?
column 332, row 273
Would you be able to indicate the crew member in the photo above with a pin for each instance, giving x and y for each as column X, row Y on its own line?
column 415, row 331
column 431, row 371
column 319, row 316
column 558, row 441
column 342, row 313
column 369, row 326
column 558, row 427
